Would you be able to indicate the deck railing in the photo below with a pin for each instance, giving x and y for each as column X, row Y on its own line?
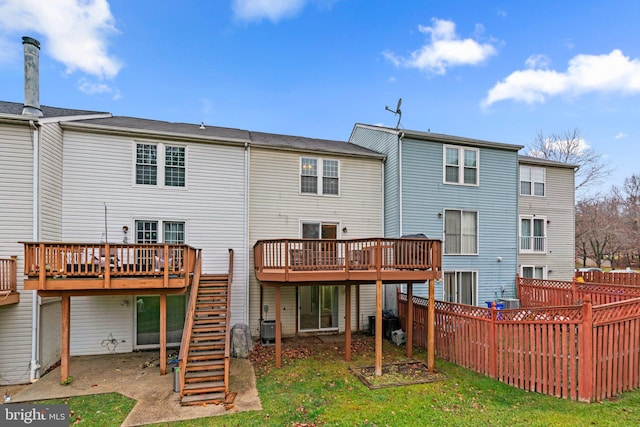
column 63, row 264
column 8, row 276
column 317, row 255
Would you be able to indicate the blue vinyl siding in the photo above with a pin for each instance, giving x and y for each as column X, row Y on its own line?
column 424, row 196
column 387, row 144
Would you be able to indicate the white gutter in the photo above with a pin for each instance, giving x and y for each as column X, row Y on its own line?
column 35, row 299
column 247, row 164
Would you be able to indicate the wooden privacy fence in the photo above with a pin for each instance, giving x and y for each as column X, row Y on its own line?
column 580, row 352
column 615, row 278
column 545, row 293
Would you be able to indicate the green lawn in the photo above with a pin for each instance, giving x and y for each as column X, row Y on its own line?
column 315, row 388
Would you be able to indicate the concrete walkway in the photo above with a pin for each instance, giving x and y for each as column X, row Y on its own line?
column 136, row 375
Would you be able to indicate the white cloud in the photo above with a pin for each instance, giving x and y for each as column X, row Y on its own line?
column 274, row 10
column 91, row 88
column 538, row 61
column 620, row 135
column 444, row 49
column 612, row 72
column 75, row 31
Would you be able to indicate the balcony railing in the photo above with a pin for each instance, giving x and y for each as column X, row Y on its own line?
column 8, row 281
column 535, row 244
column 57, row 266
column 309, row 260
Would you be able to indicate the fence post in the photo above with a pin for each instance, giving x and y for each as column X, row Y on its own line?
column 574, row 289
column 585, row 356
column 493, row 351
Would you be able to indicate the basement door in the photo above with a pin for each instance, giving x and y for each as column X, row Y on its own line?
column 318, row 305
column 147, row 309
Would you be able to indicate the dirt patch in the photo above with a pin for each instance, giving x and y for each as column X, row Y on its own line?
column 397, row 374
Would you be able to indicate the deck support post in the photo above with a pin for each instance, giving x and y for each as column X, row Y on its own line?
column 66, row 338
column 378, row 369
column 409, row 326
column 278, row 332
column 431, row 328
column 163, row 334
column 347, row 323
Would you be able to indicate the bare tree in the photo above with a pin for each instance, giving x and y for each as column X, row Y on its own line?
column 570, row 147
column 629, row 198
column 597, row 228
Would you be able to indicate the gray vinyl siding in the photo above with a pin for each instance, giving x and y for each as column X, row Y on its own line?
column 387, row 144
column 494, row 199
column 558, row 207
column 277, row 209
column 16, row 212
column 99, row 170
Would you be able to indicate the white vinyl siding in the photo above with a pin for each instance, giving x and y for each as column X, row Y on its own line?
column 17, row 188
column 532, row 181
column 460, row 232
column 558, row 207
column 278, row 208
column 461, row 165
column 213, row 206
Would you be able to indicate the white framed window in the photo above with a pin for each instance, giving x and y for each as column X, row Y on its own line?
column 533, row 234
column 461, row 287
column 532, row 181
column 148, row 231
column 461, row 165
column 319, row 176
column 460, row 232
column 171, row 172
column 533, row 272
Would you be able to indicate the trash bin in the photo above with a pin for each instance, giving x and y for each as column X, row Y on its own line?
column 372, row 325
column 176, row 379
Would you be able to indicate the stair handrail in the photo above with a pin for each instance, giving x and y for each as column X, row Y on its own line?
column 188, row 321
column 227, row 336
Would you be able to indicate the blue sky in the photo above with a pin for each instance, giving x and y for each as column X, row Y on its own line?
column 495, row 70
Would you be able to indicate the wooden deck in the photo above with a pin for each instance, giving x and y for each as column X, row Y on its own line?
column 8, row 281
column 312, row 261
column 304, row 262
column 86, row 269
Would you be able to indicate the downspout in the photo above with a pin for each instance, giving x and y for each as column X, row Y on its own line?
column 35, row 299
column 247, row 262
column 400, row 136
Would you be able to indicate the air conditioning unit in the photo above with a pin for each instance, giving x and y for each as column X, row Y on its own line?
column 268, row 332
column 510, row 303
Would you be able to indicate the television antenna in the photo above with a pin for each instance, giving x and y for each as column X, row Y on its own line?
column 396, row 112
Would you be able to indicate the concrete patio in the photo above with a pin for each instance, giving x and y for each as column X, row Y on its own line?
column 136, row 375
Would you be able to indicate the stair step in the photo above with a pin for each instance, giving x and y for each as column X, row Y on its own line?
column 206, row 346
column 209, row 365
column 210, row 318
column 203, row 338
column 210, row 310
column 208, row 328
column 205, row 354
column 199, row 399
column 203, row 376
column 203, row 387
column 216, row 314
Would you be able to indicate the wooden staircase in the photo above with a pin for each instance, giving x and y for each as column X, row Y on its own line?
column 204, row 357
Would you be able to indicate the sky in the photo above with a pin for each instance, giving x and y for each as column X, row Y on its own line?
column 503, row 71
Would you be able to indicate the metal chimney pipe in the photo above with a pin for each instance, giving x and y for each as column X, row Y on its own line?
column 31, row 77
